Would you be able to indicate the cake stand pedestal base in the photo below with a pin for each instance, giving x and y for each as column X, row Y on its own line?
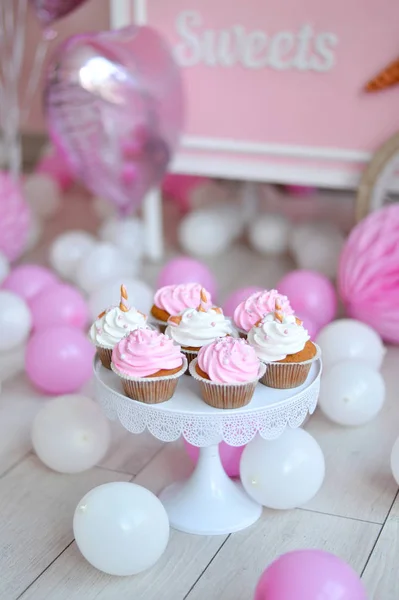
column 209, row 502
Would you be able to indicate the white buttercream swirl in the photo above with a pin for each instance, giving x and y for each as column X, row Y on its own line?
column 114, row 325
column 273, row 340
column 198, row 328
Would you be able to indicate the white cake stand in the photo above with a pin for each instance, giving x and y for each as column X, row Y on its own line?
column 209, row 502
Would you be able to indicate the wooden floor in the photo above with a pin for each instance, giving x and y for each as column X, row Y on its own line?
column 355, row 515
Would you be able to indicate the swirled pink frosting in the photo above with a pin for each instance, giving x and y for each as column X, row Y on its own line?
column 176, row 298
column 229, row 360
column 144, row 352
column 257, row 305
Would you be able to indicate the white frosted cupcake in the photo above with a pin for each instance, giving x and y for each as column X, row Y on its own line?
column 283, row 344
column 114, row 324
column 194, row 328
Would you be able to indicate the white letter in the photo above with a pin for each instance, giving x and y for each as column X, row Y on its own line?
column 251, row 50
column 302, row 56
column 188, row 53
column 324, row 44
column 280, row 46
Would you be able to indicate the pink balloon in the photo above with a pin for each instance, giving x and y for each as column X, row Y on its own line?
column 179, row 187
column 237, row 297
column 187, row 270
column 310, row 293
column 49, row 11
column 15, row 219
column 118, row 125
column 309, row 575
column 29, row 280
column 59, row 304
column 54, row 166
column 310, row 324
column 368, row 275
column 301, row 190
column 58, row 360
column 229, row 455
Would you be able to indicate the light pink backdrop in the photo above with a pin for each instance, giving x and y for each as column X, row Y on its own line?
column 92, row 15
column 291, row 107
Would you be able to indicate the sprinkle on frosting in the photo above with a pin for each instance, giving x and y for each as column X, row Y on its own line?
column 251, row 310
column 196, row 327
column 229, row 360
column 277, row 335
column 175, row 298
column 144, row 352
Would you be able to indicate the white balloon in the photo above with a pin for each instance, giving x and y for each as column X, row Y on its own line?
column 204, row 233
column 347, row 339
column 68, row 250
column 103, row 209
column 103, row 262
column 317, row 246
column 127, row 234
column 35, row 233
column 284, row 473
column 15, row 320
column 42, row 194
column 70, row 434
column 351, row 393
column 140, row 294
column 269, row 234
column 121, row 528
column 4, row 267
column 395, row 461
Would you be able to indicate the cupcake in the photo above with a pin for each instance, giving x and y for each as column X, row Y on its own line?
column 228, row 371
column 149, row 365
column 171, row 300
column 256, row 306
column 112, row 325
column 194, row 328
column 283, row 344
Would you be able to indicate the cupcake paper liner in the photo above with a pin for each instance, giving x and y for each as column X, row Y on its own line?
column 150, row 390
column 105, row 355
column 190, row 355
column 226, row 395
column 284, row 376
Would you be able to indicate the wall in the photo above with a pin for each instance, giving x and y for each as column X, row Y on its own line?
column 92, row 15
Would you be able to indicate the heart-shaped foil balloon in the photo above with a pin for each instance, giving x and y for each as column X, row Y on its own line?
column 114, row 105
column 49, row 11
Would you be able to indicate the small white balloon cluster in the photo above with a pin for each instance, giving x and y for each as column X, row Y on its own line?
column 352, row 389
column 98, row 266
column 212, row 227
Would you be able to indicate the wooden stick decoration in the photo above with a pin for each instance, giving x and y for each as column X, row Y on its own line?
column 203, row 301
column 278, row 314
column 123, row 301
column 386, row 78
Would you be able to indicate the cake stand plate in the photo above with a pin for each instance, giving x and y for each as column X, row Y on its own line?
column 209, row 502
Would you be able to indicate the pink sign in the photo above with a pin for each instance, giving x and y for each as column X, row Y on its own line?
column 275, row 87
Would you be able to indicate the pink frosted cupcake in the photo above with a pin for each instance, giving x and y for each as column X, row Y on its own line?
column 251, row 310
column 171, row 300
column 149, row 365
column 228, row 371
